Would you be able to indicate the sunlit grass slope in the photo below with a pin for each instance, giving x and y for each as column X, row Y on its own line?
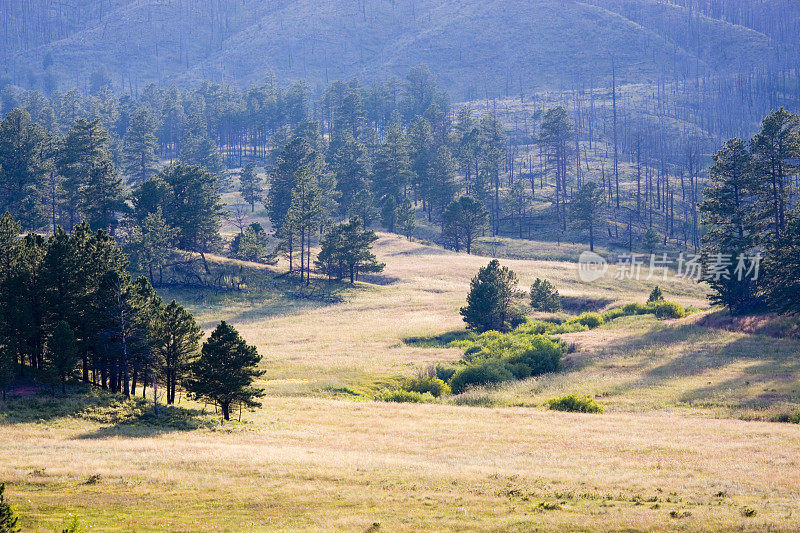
column 670, row 453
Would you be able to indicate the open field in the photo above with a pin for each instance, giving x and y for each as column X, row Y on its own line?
column 685, row 443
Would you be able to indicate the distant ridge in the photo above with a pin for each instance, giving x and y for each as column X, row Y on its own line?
column 477, row 48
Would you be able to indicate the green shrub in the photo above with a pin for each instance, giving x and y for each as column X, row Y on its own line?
column 404, row 396
column 544, row 327
column 590, row 320
column 542, row 355
column 575, row 403
column 432, row 385
column 445, row 372
column 634, row 309
column 544, row 296
column 665, row 309
column 656, row 296
column 612, row 314
column 481, row 373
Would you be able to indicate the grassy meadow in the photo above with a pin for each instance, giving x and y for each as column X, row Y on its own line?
column 687, row 441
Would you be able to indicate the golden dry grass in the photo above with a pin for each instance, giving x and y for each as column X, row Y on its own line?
column 663, row 457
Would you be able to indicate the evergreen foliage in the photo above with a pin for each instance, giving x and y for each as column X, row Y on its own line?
column 464, row 219
column 544, row 296
column 345, row 251
column 490, row 303
column 225, row 371
column 8, row 518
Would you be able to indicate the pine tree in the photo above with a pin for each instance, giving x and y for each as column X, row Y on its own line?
column 467, row 139
column 517, row 202
column 776, row 148
column 305, row 214
column 150, row 244
column 149, row 196
column 492, row 150
column 8, row 364
column 392, row 172
column 349, row 163
column 780, row 285
column 463, row 220
column 252, row 246
column 346, row 251
column 406, row 219
column 84, row 148
column 103, row 196
column 650, row 240
column 140, row 145
column 656, row 295
column 555, row 133
column 225, row 371
column 490, row 303
column 23, row 166
column 250, row 185
column 421, row 152
column 730, row 220
column 441, row 185
column 587, row 209
column 203, row 152
column 545, row 297
column 297, row 153
column 193, row 206
column 8, row 518
column 176, row 343
column 10, row 342
column 62, row 353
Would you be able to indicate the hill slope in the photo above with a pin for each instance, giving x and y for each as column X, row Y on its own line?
column 485, row 47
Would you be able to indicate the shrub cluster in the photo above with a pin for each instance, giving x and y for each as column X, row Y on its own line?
column 404, row 396
column 494, row 357
column 529, row 350
column 427, row 384
column 575, row 403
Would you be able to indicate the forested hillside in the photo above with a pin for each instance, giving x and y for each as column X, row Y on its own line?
column 477, row 48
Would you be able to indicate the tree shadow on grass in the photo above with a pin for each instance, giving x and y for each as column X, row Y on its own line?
column 146, row 423
column 582, row 304
column 442, row 340
column 767, row 370
column 115, row 415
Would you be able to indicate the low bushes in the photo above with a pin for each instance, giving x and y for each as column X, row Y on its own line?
column 427, row 384
column 544, row 327
column 590, row 320
column 663, row 309
column 634, row 309
column 575, row 403
column 481, row 373
column 611, row 314
column 494, row 357
column 528, row 350
column 404, row 396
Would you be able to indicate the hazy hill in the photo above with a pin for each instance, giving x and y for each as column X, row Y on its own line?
column 477, row 47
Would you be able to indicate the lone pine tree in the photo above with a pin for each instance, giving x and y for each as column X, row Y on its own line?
column 225, row 371
column 490, row 303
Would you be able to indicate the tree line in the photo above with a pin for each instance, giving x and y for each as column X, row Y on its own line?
column 68, row 302
column 750, row 210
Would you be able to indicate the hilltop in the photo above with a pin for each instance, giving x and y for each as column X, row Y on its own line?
column 477, row 48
